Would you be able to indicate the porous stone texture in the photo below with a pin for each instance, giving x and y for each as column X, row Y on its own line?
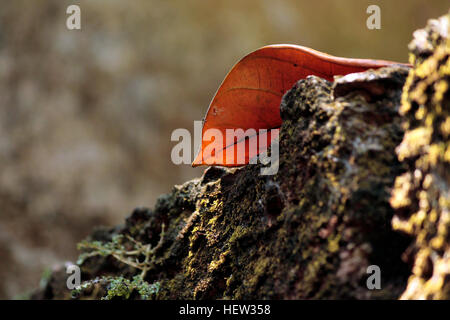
column 310, row 231
column 363, row 180
column 421, row 195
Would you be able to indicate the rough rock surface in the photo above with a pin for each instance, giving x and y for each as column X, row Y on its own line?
column 311, row 230
column 422, row 194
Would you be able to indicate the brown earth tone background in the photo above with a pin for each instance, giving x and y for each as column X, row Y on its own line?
column 86, row 116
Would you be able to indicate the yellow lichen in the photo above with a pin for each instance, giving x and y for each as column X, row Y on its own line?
column 216, row 263
column 333, row 243
column 427, row 125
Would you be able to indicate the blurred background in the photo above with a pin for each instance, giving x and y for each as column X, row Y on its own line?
column 86, row 116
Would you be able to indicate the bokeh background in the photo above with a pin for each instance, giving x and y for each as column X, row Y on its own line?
column 86, row 116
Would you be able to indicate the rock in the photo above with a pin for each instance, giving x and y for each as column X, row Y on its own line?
column 309, row 231
column 315, row 229
column 421, row 195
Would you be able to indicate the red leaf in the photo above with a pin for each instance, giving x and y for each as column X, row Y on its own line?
column 250, row 95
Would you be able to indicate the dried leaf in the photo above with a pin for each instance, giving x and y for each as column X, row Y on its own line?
column 250, row 95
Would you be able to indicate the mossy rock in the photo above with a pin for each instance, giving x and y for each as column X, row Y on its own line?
column 312, row 230
column 422, row 194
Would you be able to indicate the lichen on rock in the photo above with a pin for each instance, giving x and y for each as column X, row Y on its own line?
column 310, row 231
column 359, row 162
column 421, row 194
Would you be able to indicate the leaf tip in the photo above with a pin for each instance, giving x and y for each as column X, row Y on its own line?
column 198, row 161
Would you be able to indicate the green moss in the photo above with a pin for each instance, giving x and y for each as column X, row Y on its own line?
column 238, row 235
column 119, row 287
